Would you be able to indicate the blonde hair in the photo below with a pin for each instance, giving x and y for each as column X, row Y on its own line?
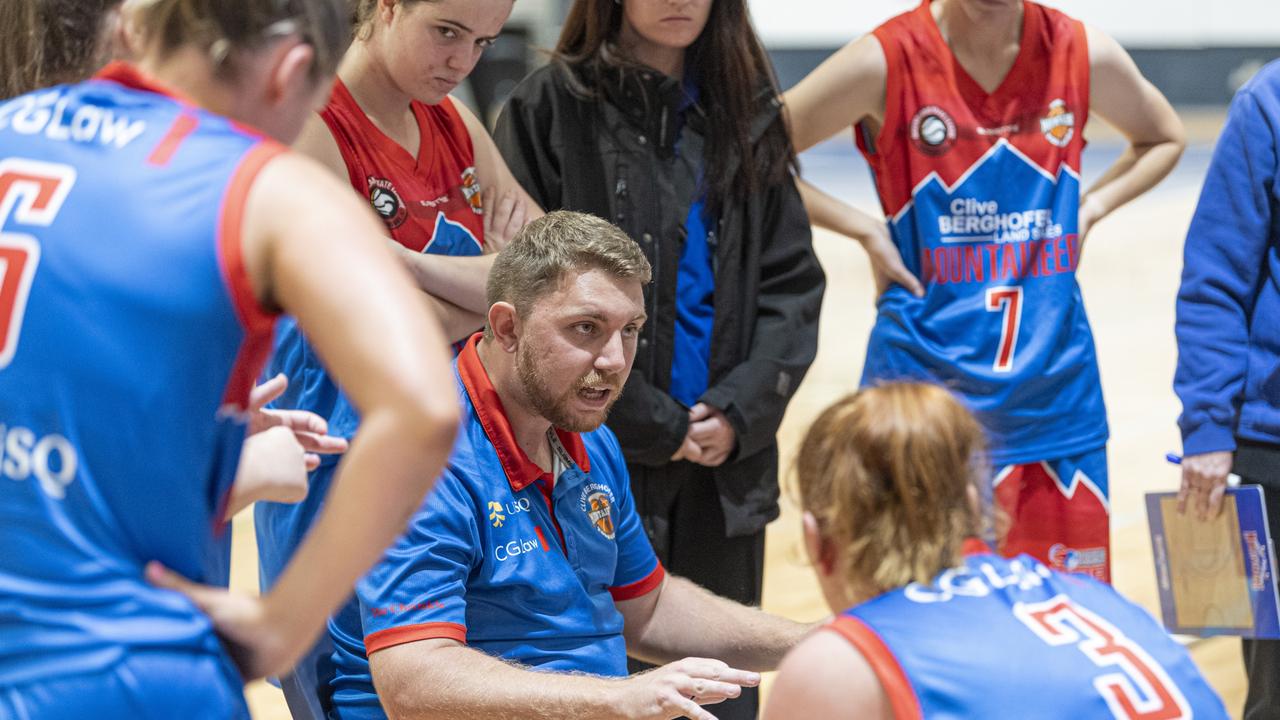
column 542, row 252
column 888, row 473
column 220, row 27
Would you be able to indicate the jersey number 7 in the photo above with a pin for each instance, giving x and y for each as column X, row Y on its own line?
column 31, row 192
column 1133, row 684
column 1009, row 300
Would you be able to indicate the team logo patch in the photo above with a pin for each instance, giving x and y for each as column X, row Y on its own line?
column 471, row 190
column 1086, row 560
column 1058, row 125
column 933, row 130
column 597, row 502
column 386, row 201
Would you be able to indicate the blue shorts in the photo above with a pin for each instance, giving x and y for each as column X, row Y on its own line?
column 146, row 685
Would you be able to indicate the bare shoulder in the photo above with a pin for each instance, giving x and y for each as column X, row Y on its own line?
column 1105, row 54
column 316, row 142
column 824, row 676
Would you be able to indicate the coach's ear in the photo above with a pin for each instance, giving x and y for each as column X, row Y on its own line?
column 821, row 553
column 505, row 325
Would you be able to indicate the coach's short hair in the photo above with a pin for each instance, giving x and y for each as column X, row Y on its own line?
column 543, row 251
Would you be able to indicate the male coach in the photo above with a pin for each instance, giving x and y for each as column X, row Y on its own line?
column 1228, row 331
column 525, row 579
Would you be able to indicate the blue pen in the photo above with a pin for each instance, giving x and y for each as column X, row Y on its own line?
column 1233, row 480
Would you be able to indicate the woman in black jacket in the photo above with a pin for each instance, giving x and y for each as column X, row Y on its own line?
column 661, row 115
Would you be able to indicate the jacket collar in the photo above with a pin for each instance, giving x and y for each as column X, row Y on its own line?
column 520, row 470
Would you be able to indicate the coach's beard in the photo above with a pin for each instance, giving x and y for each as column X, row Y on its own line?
column 559, row 409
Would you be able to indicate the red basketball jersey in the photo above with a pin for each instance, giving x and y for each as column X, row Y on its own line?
column 430, row 203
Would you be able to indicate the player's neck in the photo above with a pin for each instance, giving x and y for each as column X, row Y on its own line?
column 382, row 101
column 527, row 426
column 983, row 39
column 187, row 73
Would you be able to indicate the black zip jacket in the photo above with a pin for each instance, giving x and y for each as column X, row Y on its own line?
column 630, row 157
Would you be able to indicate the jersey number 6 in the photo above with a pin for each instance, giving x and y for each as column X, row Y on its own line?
column 1009, row 300
column 1135, row 685
column 31, row 192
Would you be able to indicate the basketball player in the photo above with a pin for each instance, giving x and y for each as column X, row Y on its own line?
column 526, row 579
column 420, row 159
column 152, row 232
column 971, row 114
column 937, row 625
column 63, row 41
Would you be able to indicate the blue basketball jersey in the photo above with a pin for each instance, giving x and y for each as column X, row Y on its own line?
column 129, row 342
column 982, row 191
column 999, row 638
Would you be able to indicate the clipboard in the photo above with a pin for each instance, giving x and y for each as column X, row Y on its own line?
column 1217, row 576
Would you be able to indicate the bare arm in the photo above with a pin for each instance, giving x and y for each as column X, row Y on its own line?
column 844, row 90
column 830, row 213
column 679, row 619
column 1119, row 94
column 461, row 280
column 824, row 677
column 444, row 680
column 311, row 248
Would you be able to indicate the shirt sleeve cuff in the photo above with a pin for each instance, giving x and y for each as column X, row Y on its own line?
column 1208, row 438
column 391, row 637
column 636, row 589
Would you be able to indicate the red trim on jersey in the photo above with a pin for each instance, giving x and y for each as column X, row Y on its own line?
column 383, row 639
column 257, row 321
column 547, row 484
column 182, row 127
column 639, row 588
column 897, row 688
column 974, row 546
column 521, row 471
column 128, row 75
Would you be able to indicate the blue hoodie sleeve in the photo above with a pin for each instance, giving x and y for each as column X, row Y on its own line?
column 1223, row 259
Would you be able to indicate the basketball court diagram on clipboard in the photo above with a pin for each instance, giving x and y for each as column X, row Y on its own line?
column 1215, row 576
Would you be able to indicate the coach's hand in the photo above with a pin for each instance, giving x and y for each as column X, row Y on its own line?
column 1204, row 481
column 680, row 688
column 261, row 643
column 310, row 430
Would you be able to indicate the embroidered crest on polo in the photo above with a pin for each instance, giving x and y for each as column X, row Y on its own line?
column 1059, row 124
column 597, row 502
column 933, row 130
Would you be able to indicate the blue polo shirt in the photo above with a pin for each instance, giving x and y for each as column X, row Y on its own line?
column 505, row 558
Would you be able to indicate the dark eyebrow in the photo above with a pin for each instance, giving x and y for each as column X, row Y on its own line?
column 466, row 29
column 460, row 26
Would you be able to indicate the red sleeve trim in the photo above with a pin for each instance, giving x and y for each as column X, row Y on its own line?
column 391, row 637
column 182, row 127
column 256, row 320
column 631, row 591
column 897, row 688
